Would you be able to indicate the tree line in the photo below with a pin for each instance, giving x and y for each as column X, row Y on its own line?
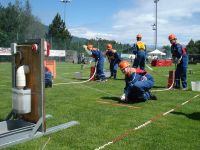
column 193, row 47
column 17, row 24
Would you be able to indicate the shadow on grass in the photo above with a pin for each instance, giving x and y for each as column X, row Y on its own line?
column 132, row 102
column 194, row 116
column 119, row 101
column 111, row 98
column 2, row 119
column 118, row 79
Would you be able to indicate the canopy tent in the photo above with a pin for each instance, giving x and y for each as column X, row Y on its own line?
column 157, row 52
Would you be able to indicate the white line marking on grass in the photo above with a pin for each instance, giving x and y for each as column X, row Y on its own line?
column 102, row 147
column 184, row 103
column 144, row 124
column 115, row 104
column 196, row 96
column 95, row 89
column 168, row 112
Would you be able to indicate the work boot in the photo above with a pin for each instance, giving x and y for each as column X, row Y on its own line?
column 185, row 89
column 110, row 77
column 104, row 80
column 115, row 77
column 152, row 97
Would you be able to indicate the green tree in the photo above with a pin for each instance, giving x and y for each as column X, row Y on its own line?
column 191, row 47
column 167, row 50
column 59, row 36
column 18, row 24
column 197, row 46
column 30, row 27
column 9, row 24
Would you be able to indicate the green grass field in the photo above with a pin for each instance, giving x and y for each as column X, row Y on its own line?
column 102, row 119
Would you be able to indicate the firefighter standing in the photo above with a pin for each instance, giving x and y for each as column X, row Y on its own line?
column 98, row 56
column 138, row 84
column 139, row 50
column 180, row 58
column 113, row 58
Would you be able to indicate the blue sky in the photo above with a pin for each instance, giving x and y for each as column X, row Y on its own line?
column 121, row 20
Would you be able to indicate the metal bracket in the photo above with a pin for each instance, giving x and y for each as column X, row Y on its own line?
column 38, row 124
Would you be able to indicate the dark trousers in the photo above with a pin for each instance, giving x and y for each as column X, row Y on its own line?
column 113, row 68
column 140, row 61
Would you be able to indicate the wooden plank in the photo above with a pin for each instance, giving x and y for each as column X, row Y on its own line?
column 33, row 79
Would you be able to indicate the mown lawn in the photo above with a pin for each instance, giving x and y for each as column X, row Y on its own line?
column 102, row 118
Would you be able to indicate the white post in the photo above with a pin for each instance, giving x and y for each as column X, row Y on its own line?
column 155, row 25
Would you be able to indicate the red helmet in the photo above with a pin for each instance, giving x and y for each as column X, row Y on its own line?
column 139, row 36
column 123, row 64
column 109, row 46
column 172, row 37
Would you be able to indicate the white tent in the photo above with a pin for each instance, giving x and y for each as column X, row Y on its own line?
column 157, row 52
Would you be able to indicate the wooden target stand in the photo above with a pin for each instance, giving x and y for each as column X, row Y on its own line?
column 24, row 124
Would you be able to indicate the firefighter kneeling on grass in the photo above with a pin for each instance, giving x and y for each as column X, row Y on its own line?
column 138, row 84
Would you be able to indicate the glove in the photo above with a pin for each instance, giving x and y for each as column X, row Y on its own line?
column 123, row 97
column 179, row 60
column 143, row 78
column 175, row 60
column 85, row 47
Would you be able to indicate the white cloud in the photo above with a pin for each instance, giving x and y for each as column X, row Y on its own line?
column 174, row 16
column 88, row 33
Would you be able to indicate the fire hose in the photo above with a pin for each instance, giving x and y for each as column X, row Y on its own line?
column 165, row 89
column 81, row 81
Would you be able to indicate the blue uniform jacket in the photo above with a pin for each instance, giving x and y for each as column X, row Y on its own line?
column 137, row 51
column 179, row 51
column 134, row 77
column 113, row 57
column 97, row 54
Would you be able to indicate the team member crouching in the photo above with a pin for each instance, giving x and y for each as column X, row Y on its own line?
column 138, row 84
